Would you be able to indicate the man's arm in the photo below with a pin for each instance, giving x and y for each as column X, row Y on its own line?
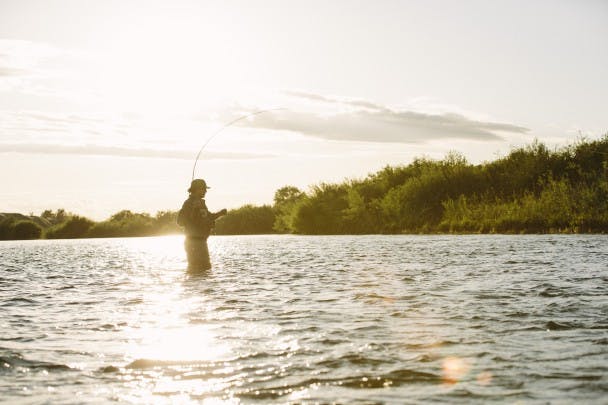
column 219, row 214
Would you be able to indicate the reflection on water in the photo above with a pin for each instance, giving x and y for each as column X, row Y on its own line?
column 306, row 319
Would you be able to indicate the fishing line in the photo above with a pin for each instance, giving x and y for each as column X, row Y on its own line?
column 223, row 128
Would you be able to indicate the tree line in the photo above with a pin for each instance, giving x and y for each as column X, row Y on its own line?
column 531, row 190
column 61, row 224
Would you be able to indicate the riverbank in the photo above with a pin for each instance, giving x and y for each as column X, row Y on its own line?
column 531, row 190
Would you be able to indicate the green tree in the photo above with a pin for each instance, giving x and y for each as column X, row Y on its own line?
column 362, row 215
column 73, row 228
column 523, row 170
column 7, row 228
column 246, row 220
column 56, row 217
column 321, row 212
column 285, row 200
column 26, row 230
column 165, row 223
column 125, row 223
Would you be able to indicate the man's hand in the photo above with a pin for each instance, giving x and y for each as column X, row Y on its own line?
column 223, row 212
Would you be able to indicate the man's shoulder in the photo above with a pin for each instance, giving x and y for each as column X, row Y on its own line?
column 194, row 202
column 191, row 200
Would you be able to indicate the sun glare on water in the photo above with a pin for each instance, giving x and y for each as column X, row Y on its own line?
column 166, row 331
column 170, row 347
column 177, row 345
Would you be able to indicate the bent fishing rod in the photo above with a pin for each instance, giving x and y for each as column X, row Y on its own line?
column 223, row 128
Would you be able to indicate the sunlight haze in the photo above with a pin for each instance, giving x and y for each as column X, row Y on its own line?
column 105, row 104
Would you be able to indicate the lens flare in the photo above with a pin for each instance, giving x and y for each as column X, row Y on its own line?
column 454, row 369
column 484, row 378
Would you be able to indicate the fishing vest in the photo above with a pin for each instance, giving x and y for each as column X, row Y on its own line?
column 195, row 218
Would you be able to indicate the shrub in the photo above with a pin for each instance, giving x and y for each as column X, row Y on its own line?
column 246, row 220
column 74, row 227
column 26, row 230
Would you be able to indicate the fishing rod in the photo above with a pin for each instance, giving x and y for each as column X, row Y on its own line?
column 223, row 128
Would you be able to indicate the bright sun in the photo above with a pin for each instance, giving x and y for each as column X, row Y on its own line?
column 156, row 64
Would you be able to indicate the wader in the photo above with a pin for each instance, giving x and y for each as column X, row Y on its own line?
column 198, row 253
column 198, row 223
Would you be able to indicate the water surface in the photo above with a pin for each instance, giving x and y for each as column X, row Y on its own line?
column 381, row 319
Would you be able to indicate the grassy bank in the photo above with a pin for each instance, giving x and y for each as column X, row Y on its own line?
column 531, row 190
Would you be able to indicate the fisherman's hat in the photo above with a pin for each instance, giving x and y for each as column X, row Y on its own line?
column 198, row 183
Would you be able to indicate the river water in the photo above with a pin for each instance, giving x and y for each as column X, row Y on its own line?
column 293, row 319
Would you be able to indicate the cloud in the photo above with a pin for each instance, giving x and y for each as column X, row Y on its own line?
column 59, row 128
column 364, row 121
column 35, row 132
column 6, row 71
column 104, row 150
column 38, row 69
column 23, row 58
column 335, row 100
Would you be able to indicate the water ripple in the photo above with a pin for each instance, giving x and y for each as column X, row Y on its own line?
column 286, row 319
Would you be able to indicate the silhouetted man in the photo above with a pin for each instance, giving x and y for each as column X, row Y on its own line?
column 198, row 223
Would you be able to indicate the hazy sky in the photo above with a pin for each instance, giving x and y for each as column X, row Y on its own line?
column 105, row 104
